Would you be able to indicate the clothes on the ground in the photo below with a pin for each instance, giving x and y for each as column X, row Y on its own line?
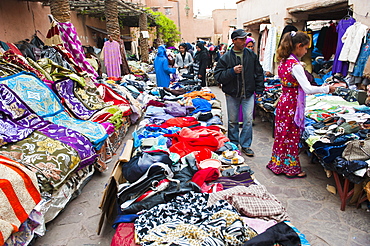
column 196, row 224
column 253, row 201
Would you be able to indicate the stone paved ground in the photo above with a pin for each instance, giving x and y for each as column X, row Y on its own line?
column 313, row 210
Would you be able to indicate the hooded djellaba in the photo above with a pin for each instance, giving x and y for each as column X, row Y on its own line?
column 162, row 70
column 201, row 59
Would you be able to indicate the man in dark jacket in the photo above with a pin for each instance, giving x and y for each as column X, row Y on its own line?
column 241, row 76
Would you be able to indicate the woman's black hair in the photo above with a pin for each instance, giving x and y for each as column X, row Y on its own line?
column 184, row 45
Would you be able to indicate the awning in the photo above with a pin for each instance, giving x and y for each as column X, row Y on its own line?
column 105, row 32
column 325, row 10
column 259, row 21
column 98, row 29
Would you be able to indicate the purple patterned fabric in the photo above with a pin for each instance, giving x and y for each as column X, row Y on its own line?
column 15, row 113
column 73, row 44
column 64, row 89
column 341, row 66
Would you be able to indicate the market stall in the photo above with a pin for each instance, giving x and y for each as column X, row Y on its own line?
column 180, row 160
column 60, row 122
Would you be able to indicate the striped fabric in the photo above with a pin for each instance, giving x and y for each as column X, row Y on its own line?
column 18, row 196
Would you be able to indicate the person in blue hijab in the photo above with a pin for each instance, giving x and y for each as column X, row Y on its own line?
column 162, row 70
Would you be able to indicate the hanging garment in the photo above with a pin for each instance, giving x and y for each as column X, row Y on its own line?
column 362, row 57
column 125, row 66
column 263, row 42
column 270, row 49
column 366, row 73
column 112, row 58
column 134, row 49
column 53, row 36
column 330, row 42
column 321, row 38
column 352, row 39
column 73, row 44
column 46, row 104
column 341, row 66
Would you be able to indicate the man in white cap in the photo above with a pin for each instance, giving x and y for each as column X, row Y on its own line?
column 241, row 77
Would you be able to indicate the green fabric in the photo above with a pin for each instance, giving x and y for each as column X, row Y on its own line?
column 51, row 160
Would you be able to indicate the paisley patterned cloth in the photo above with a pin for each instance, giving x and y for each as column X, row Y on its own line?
column 46, row 104
column 64, row 89
column 18, row 121
column 89, row 95
column 186, row 220
column 285, row 158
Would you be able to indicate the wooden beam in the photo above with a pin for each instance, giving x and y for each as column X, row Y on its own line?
column 315, row 5
column 262, row 20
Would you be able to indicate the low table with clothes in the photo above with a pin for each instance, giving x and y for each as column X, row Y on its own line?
column 337, row 132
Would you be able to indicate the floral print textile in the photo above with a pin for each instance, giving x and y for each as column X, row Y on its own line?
column 51, row 160
column 285, row 158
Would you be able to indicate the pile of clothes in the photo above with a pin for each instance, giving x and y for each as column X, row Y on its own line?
column 187, row 184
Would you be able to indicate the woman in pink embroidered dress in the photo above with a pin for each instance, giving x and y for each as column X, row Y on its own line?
column 289, row 119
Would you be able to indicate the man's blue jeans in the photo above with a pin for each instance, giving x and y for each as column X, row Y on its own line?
column 244, row 139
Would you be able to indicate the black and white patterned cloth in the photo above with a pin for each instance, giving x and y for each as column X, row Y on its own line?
column 186, row 220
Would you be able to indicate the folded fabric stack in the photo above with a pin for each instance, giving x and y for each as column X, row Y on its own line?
column 60, row 123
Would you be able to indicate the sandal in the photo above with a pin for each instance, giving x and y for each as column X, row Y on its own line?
column 297, row 176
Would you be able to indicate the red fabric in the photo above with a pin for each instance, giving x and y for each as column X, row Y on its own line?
column 202, row 155
column 204, row 176
column 184, row 146
column 330, row 42
column 180, row 122
column 102, row 118
column 109, row 95
column 155, row 103
column 197, row 132
column 285, row 151
column 14, row 48
column 21, row 61
column 124, row 235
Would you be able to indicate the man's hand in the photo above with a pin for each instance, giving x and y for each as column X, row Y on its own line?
column 258, row 95
column 238, row 68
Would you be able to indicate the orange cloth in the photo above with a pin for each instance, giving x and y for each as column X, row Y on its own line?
column 205, row 95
